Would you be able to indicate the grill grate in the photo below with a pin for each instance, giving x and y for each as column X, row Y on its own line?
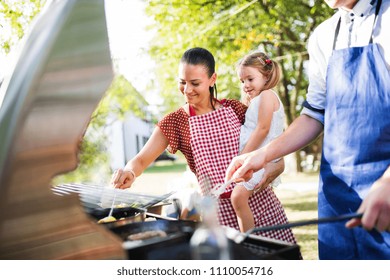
column 94, row 196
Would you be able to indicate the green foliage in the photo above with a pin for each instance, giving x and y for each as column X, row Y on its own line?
column 15, row 17
column 230, row 29
column 120, row 99
column 93, row 160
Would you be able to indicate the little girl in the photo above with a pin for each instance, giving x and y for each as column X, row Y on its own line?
column 264, row 121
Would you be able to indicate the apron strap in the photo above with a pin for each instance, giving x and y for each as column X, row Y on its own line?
column 378, row 7
column 192, row 110
column 336, row 34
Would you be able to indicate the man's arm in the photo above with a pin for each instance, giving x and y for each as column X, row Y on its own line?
column 299, row 134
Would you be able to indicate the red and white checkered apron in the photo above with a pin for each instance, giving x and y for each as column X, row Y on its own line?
column 214, row 143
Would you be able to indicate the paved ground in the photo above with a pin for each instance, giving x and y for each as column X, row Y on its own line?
column 161, row 183
column 299, row 182
column 156, row 183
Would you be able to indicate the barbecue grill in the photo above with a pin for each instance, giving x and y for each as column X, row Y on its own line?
column 175, row 245
column 46, row 103
column 59, row 76
column 177, row 233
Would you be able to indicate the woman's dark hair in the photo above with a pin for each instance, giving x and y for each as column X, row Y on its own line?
column 201, row 56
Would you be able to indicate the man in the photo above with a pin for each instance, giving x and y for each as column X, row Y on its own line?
column 349, row 99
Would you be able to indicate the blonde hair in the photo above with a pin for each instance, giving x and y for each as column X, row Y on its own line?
column 266, row 66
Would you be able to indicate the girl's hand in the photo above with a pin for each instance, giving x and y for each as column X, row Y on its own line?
column 271, row 171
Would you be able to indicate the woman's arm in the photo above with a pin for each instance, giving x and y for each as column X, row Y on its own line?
column 156, row 144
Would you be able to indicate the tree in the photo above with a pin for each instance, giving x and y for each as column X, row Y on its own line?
column 230, row 29
column 15, row 17
column 121, row 98
column 94, row 161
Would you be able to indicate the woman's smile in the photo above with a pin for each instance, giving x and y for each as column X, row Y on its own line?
column 194, row 84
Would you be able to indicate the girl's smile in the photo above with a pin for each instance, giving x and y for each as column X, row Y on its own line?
column 252, row 81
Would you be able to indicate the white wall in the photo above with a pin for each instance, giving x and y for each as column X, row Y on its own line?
column 127, row 139
column 136, row 133
column 115, row 145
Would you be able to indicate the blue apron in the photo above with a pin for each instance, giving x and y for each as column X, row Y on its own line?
column 356, row 148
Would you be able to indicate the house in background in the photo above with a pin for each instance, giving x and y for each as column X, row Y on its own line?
column 127, row 139
column 128, row 135
column 130, row 123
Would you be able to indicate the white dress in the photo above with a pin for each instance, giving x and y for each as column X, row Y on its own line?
column 277, row 127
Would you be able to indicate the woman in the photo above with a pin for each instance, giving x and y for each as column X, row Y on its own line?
column 206, row 131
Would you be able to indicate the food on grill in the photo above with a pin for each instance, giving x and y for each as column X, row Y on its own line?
column 122, row 205
column 107, row 219
column 147, row 235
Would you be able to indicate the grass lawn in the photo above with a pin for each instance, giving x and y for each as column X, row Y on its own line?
column 166, row 166
column 302, row 206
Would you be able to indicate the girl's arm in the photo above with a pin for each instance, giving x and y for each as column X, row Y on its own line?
column 268, row 104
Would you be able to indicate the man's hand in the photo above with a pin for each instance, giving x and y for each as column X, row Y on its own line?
column 375, row 207
column 244, row 165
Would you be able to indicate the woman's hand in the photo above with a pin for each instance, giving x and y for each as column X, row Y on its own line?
column 375, row 207
column 122, row 179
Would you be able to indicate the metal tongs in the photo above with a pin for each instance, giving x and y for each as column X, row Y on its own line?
column 220, row 189
column 112, row 206
column 110, row 218
column 242, row 236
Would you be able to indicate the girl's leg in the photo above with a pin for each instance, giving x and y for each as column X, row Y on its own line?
column 239, row 198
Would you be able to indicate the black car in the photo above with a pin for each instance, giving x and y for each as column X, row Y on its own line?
column 166, row 156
